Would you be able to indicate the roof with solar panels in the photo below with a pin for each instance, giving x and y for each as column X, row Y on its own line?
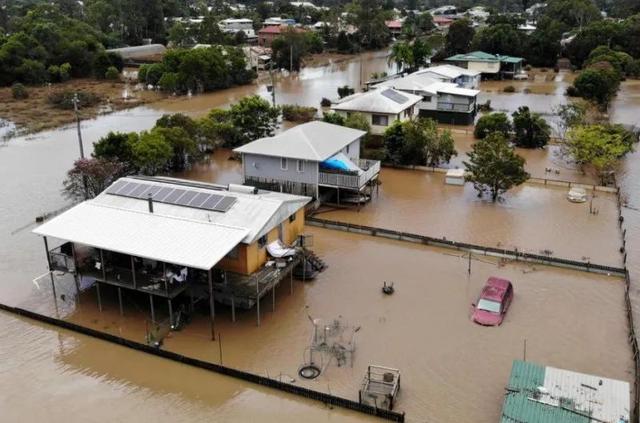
column 173, row 220
column 388, row 101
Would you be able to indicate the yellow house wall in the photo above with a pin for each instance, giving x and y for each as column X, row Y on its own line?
column 252, row 257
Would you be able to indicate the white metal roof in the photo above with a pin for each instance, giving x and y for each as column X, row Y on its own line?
column 182, row 235
column 449, row 71
column 605, row 400
column 377, row 101
column 425, row 83
column 314, row 141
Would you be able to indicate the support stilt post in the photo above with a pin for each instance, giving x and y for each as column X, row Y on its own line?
column 233, row 308
column 76, row 275
column 53, row 285
column 170, row 312
column 212, row 310
column 153, row 312
column 98, row 295
column 291, row 281
column 258, row 301
column 133, row 272
column 120, row 301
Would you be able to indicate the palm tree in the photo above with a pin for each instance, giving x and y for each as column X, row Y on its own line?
column 401, row 55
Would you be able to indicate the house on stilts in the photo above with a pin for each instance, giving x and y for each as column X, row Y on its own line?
column 171, row 238
column 315, row 159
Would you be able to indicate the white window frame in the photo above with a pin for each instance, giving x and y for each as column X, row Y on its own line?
column 284, row 163
column 300, row 166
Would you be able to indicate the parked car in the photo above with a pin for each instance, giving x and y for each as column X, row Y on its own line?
column 577, row 195
column 493, row 302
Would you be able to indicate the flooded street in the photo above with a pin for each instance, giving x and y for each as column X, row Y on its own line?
column 570, row 319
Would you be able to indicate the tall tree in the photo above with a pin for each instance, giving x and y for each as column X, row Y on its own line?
column 459, row 37
column 531, row 130
column 89, row 177
column 493, row 167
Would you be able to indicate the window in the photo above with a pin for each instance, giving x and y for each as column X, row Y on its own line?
column 380, row 120
column 292, row 218
column 300, row 166
column 426, row 98
column 283, row 163
column 262, row 241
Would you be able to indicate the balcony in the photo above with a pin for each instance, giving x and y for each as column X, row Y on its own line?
column 351, row 180
column 456, row 107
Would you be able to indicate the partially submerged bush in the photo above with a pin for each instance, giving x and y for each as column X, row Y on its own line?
column 112, row 73
column 295, row 113
column 325, row 102
column 19, row 91
column 64, row 99
column 509, row 89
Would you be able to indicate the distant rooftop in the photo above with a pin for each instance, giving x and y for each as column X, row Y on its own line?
column 314, row 141
column 425, row 82
column 481, row 56
column 387, row 101
column 539, row 394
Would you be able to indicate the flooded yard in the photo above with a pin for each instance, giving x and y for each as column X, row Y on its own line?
column 531, row 218
column 452, row 369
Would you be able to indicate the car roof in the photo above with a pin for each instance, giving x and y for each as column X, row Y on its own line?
column 495, row 288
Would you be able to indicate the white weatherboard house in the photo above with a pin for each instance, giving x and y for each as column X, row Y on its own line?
column 380, row 107
column 308, row 158
column 443, row 101
column 464, row 78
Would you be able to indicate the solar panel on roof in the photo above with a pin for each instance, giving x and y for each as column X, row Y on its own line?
column 171, row 198
column 176, row 196
column 138, row 190
column 394, row 96
column 115, row 187
column 225, row 204
column 160, row 195
column 200, row 198
column 186, row 198
column 211, row 202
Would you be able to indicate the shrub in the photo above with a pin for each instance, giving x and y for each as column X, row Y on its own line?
column 64, row 99
column 572, row 91
column 142, row 73
column 334, row 118
column 325, row 102
column 19, row 91
column 528, row 68
column 32, row 72
column 374, row 154
column 168, row 82
column 65, row 72
column 345, row 91
column 509, row 89
column 295, row 113
column 54, row 73
column 112, row 73
column 494, row 122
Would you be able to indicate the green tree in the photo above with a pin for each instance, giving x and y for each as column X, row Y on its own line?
column 598, row 85
column 499, row 39
column 358, row 121
column 596, row 34
column 394, row 144
column 401, row 55
column 459, row 37
column 115, row 146
column 542, row 47
column 531, row 130
column 493, row 167
column 599, row 146
column 493, row 122
column 289, row 48
column 573, row 13
column 151, row 152
column 183, row 146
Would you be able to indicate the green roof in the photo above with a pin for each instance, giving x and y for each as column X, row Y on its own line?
column 481, row 56
column 520, row 405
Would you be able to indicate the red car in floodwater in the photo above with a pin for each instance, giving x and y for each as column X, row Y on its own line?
column 493, row 302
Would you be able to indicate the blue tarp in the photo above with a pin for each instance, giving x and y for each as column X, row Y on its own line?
column 339, row 162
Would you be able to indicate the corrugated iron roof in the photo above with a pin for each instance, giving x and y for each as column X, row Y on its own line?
column 314, row 141
column 375, row 102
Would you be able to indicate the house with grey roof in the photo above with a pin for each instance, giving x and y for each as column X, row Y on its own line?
column 446, row 102
column 311, row 159
column 462, row 77
column 380, row 107
column 488, row 64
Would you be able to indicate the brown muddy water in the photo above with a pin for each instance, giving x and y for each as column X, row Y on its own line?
column 452, row 370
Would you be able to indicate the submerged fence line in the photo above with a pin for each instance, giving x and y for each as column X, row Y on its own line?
column 212, row 367
column 478, row 249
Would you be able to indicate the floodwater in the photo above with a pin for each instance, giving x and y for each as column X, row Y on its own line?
column 570, row 319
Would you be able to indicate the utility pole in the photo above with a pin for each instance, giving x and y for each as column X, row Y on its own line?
column 75, row 102
column 290, row 56
column 273, row 84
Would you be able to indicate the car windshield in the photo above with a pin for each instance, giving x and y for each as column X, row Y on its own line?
column 488, row 305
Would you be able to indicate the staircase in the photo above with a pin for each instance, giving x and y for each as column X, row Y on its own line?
column 315, row 261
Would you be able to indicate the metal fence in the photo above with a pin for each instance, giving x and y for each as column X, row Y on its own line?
column 217, row 368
